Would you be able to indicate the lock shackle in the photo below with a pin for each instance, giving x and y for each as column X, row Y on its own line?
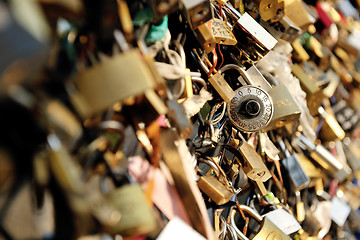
column 247, row 209
column 212, row 165
column 198, row 59
column 241, row 70
column 230, row 228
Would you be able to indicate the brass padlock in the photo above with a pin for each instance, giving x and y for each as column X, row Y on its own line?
column 269, row 9
column 268, row 230
column 217, row 81
column 104, row 84
column 331, row 165
column 286, row 109
column 252, row 107
column 314, row 95
column 331, row 129
column 206, row 37
column 295, row 10
column 213, row 188
column 136, row 215
column 221, row 32
column 253, row 166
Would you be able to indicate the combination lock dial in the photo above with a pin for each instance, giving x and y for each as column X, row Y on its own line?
column 251, row 109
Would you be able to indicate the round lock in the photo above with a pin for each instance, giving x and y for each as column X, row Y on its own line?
column 251, row 109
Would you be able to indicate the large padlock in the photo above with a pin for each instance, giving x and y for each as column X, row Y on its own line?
column 137, row 216
column 331, row 165
column 269, row 9
column 252, row 107
column 213, row 188
column 268, row 230
column 104, row 84
column 286, row 109
column 197, row 12
column 252, row 38
column 314, row 95
column 284, row 29
column 217, row 81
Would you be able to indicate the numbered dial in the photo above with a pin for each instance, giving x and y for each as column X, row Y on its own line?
column 251, row 109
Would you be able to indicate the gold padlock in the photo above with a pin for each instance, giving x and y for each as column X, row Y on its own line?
column 314, row 95
column 268, row 230
column 286, row 109
column 212, row 187
column 98, row 88
column 205, row 36
column 269, row 9
column 221, row 32
column 217, row 81
column 295, row 10
column 253, row 166
column 137, row 216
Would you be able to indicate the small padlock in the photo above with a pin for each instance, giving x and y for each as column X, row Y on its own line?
column 252, row 107
column 253, row 166
column 221, row 32
column 217, row 81
column 137, row 215
column 213, row 188
column 297, row 175
column 206, row 37
column 268, row 230
column 331, row 129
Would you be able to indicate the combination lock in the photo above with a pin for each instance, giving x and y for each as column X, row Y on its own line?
column 251, row 109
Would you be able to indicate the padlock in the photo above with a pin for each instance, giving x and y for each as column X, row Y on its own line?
column 314, row 95
column 297, row 175
column 206, row 37
column 217, row 81
column 252, row 107
column 98, row 88
column 253, row 166
column 221, row 32
column 213, row 188
column 295, row 10
column 331, row 129
column 269, row 9
column 137, row 216
column 251, row 36
column 197, row 12
column 332, row 166
column 178, row 116
column 284, row 29
column 352, row 153
column 268, row 230
column 286, row 109
column 310, row 170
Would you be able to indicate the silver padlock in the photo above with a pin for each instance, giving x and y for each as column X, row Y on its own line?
column 252, row 108
column 268, row 230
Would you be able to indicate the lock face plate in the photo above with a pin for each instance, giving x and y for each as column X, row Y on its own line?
column 257, row 118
